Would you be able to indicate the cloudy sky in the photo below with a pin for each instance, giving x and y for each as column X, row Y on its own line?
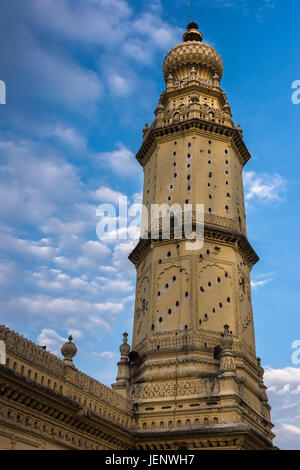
column 83, row 77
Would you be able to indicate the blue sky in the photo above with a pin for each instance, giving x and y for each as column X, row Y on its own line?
column 83, row 77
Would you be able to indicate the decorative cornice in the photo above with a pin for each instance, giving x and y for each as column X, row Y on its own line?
column 62, row 409
column 208, row 126
column 140, row 251
column 210, row 233
column 234, row 435
column 189, row 85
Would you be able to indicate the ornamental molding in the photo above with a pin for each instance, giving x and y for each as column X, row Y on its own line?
column 227, row 237
column 176, row 129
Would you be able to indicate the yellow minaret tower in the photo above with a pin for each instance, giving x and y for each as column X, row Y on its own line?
column 193, row 373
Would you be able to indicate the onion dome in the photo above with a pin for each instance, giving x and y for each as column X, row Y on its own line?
column 192, row 52
column 69, row 350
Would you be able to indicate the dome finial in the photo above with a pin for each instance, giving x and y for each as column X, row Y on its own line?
column 124, row 348
column 192, row 25
column 192, row 32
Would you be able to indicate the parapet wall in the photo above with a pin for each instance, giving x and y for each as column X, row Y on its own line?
column 34, row 362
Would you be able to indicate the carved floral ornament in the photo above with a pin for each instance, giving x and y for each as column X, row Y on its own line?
column 193, row 110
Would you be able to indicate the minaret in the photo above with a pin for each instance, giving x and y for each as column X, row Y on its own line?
column 194, row 375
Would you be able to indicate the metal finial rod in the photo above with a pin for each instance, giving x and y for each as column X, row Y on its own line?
column 190, row 11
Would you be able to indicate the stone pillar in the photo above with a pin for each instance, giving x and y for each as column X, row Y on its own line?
column 228, row 378
column 146, row 130
column 2, row 353
column 195, row 106
column 265, row 407
column 160, row 114
column 227, row 362
column 170, row 82
column 227, row 114
column 123, row 376
column 69, row 350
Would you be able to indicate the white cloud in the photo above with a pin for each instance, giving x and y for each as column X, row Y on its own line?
column 70, row 136
column 283, row 390
column 120, row 256
column 49, row 73
column 42, row 304
column 70, row 313
column 121, row 161
column 257, row 7
column 135, row 49
column 106, row 194
column 86, row 255
column 58, row 282
column 59, row 227
column 101, row 22
column 35, row 182
column 262, row 280
column 120, row 85
column 162, row 34
column 108, row 269
column 255, row 284
column 117, row 285
column 104, row 356
column 59, row 78
column 51, row 339
column 21, row 247
column 291, row 429
column 263, row 187
column 94, row 250
column 279, row 377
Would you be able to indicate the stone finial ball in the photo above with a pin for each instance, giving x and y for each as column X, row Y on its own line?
column 69, row 349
